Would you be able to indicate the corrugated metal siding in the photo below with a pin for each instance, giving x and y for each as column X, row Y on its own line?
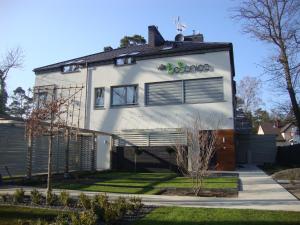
column 150, row 138
column 185, row 91
column 204, row 90
column 13, row 152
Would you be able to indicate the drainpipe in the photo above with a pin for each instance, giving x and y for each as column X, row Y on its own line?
column 86, row 96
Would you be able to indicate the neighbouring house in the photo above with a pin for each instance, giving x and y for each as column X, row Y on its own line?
column 145, row 94
column 285, row 134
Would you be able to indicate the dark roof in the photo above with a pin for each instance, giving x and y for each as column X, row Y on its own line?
column 285, row 127
column 143, row 52
column 269, row 128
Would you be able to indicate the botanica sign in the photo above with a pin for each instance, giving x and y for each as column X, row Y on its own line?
column 184, row 68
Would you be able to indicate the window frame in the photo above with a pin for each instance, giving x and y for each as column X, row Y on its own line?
column 124, row 86
column 125, row 61
column 99, row 106
column 77, row 68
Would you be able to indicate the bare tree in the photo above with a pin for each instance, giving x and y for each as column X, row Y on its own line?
column 13, row 59
column 194, row 160
column 249, row 90
column 276, row 22
column 51, row 117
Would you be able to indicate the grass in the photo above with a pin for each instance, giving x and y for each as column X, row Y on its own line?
column 203, row 216
column 10, row 215
column 139, row 183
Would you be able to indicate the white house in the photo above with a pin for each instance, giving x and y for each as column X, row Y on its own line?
column 156, row 87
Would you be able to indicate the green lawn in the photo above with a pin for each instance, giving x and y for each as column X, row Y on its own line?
column 202, row 216
column 10, row 215
column 138, row 183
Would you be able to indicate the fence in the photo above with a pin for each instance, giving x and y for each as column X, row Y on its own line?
column 257, row 149
column 13, row 152
column 287, row 155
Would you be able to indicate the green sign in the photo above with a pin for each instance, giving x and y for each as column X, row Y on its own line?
column 181, row 67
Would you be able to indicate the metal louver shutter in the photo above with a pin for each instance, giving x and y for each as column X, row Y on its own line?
column 164, row 93
column 204, row 90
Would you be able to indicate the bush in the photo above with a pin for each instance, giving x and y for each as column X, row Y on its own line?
column 84, row 201
column 111, row 214
column 18, row 196
column 99, row 204
column 87, row 217
column 62, row 219
column 64, row 198
column 5, row 198
column 121, row 206
column 137, row 202
column 36, row 197
column 52, row 198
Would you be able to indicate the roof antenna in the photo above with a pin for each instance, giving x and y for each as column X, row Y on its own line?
column 180, row 27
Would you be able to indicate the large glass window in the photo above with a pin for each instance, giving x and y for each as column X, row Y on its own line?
column 99, row 97
column 124, row 95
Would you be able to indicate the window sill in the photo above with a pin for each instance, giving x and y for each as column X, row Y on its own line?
column 124, row 106
column 99, row 108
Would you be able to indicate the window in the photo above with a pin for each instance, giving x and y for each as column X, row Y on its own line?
column 99, row 97
column 42, row 99
column 70, row 68
column 124, row 95
column 185, row 91
column 124, row 61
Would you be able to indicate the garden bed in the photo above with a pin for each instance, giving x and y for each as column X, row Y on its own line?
column 97, row 209
column 214, row 192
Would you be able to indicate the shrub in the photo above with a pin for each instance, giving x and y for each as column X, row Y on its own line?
column 99, row 204
column 62, row 219
column 84, row 201
column 64, row 198
column 111, row 214
column 137, row 202
column 36, row 197
column 5, row 198
column 87, row 217
column 52, row 198
column 121, row 206
column 18, row 196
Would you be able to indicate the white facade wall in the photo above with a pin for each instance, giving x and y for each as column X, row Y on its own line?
column 112, row 119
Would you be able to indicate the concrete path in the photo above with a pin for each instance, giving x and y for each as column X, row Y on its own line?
column 258, row 191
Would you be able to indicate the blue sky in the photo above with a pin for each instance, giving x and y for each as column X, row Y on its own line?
column 50, row 31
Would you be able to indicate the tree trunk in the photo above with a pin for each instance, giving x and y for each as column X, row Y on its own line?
column 29, row 155
column 3, row 96
column 67, row 141
column 290, row 88
column 49, row 180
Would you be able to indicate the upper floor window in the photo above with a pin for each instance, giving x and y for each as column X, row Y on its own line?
column 99, row 97
column 70, row 68
column 124, row 61
column 124, row 95
column 42, row 99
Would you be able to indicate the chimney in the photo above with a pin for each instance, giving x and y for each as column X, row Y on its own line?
column 107, row 49
column 154, row 37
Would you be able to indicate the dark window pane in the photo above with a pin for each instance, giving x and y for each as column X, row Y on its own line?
column 99, row 97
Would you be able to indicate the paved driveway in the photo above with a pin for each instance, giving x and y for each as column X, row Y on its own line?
column 258, row 191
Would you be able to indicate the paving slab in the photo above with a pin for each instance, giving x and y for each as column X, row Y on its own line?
column 258, row 191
